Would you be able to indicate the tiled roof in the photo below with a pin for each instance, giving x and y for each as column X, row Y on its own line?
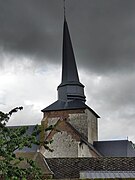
column 71, row 167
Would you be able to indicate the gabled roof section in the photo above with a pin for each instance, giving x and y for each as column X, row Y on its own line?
column 84, row 139
column 64, row 125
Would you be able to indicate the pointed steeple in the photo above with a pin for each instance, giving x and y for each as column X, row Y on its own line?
column 69, row 69
column 70, row 91
column 70, row 87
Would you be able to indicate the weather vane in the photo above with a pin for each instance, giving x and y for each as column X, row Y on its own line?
column 64, row 6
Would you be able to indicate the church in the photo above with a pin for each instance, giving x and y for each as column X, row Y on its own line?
column 76, row 124
column 77, row 153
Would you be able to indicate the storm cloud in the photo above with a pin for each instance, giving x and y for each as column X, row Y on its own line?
column 102, row 31
column 102, row 34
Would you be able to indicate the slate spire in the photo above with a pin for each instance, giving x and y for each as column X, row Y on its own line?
column 69, row 69
column 70, row 87
column 70, row 91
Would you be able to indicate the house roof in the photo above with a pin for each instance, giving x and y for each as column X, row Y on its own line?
column 71, row 167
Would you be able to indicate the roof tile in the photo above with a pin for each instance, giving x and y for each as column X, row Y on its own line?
column 71, row 167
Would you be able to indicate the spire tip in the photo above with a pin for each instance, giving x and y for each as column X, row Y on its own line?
column 64, row 7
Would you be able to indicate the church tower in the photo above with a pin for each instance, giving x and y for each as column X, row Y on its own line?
column 76, row 125
column 70, row 87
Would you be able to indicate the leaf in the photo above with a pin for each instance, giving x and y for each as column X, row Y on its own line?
column 11, row 140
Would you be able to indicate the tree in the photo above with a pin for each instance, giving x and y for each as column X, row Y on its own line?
column 12, row 139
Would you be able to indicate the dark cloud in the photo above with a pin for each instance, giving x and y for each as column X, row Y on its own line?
column 106, row 40
column 27, row 27
column 102, row 31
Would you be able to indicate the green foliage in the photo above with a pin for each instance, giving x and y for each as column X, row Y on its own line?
column 12, row 139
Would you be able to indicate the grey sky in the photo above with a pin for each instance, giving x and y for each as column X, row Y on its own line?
column 102, row 32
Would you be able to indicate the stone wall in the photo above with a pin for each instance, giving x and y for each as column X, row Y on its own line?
column 66, row 143
column 80, row 122
column 83, row 150
column 63, row 145
column 86, row 123
column 92, row 127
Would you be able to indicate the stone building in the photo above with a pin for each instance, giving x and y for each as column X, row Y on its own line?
column 77, row 151
column 76, row 124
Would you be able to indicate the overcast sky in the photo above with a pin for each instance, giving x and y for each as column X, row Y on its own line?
column 103, row 37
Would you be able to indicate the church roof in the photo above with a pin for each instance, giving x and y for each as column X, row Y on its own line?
column 115, row 148
column 70, row 87
column 70, row 91
column 69, row 68
column 71, row 167
column 74, row 104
